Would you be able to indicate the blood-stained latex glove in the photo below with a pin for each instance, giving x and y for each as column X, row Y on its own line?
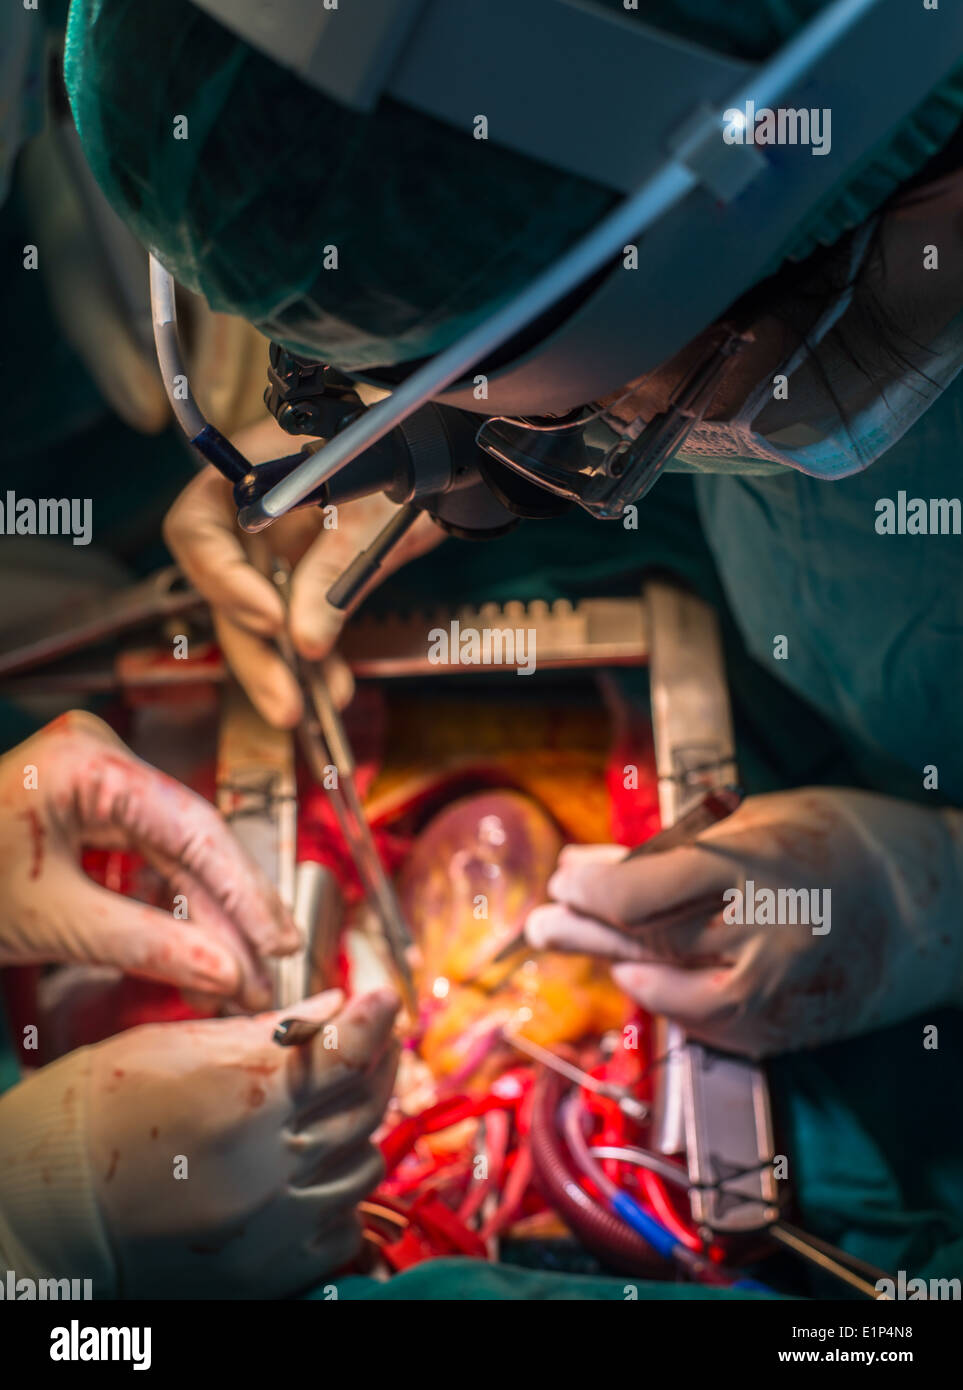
column 74, row 785
column 228, row 569
column 717, row 943
column 199, row 1159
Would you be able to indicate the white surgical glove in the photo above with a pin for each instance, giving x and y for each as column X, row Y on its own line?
column 876, row 937
column 201, row 530
column 199, row 1159
column 74, row 785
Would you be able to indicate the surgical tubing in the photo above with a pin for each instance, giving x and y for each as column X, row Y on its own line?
column 653, row 1187
column 623, row 1205
column 654, row 1173
column 699, row 1267
column 605, row 1234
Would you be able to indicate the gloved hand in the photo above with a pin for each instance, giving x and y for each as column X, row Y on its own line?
column 202, row 532
column 884, row 938
column 199, row 1159
column 88, row 789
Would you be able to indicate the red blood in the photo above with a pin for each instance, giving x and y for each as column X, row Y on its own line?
column 38, row 834
column 61, row 724
column 635, row 810
column 201, row 956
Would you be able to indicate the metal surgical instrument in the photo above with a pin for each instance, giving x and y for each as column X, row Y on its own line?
column 632, row 1108
column 324, row 743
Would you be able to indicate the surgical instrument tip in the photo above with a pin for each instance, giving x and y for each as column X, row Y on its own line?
column 632, row 1108
column 294, row 1032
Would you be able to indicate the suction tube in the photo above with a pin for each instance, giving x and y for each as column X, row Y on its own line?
column 604, row 1234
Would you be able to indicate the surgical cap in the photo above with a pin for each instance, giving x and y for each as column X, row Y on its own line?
column 276, row 184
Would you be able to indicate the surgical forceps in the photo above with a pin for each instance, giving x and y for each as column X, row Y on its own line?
column 324, row 743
